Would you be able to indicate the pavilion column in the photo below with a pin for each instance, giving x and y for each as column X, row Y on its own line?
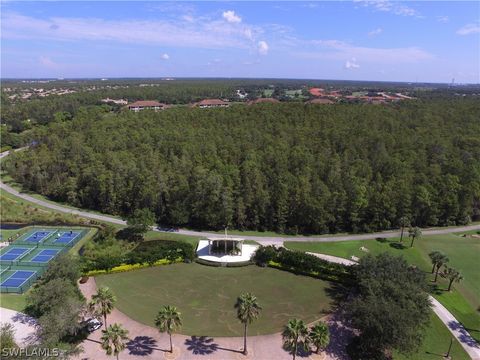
column 225, row 242
column 209, row 247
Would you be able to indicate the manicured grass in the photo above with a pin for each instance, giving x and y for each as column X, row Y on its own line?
column 346, row 249
column 206, row 296
column 13, row 301
column 435, row 344
column 463, row 252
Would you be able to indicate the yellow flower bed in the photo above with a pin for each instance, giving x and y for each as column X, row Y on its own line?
column 128, row 267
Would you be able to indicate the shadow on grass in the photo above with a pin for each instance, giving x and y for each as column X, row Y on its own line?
column 435, row 354
column 397, row 245
column 337, row 292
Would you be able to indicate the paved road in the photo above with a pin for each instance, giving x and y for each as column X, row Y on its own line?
column 264, row 240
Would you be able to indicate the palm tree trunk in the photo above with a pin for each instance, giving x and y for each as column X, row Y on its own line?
column 433, row 269
column 105, row 320
column 401, row 234
column 245, row 339
column 117, row 356
column 171, row 346
column 450, row 285
column 413, row 239
column 436, row 274
column 295, row 348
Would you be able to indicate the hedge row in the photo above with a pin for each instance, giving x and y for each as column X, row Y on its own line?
column 130, row 267
column 301, row 263
column 151, row 251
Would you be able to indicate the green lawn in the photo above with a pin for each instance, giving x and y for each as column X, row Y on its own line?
column 206, row 296
column 435, row 344
column 13, row 301
column 463, row 252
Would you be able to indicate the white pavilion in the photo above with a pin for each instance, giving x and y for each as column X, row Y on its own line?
column 225, row 249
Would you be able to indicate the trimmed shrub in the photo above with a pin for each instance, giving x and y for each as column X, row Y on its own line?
column 301, row 263
column 150, row 251
column 130, row 267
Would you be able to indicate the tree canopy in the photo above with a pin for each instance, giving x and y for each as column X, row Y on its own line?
column 286, row 167
column 391, row 308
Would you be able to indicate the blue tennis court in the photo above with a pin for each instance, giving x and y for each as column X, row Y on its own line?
column 67, row 237
column 45, row 256
column 13, row 254
column 18, row 278
column 38, row 236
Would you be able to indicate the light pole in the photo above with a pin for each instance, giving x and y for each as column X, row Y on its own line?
column 449, row 348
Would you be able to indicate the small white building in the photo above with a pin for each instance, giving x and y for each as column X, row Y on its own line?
column 146, row 105
column 225, row 250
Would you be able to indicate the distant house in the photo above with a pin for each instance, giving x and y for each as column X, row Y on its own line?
column 317, row 91
column 146, row 105
column 211, row 103
column 115, row 101
column 322, row 101
column 263, row 100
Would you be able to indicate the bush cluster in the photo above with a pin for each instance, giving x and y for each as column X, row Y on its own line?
column 151, row 251
column 301, row 263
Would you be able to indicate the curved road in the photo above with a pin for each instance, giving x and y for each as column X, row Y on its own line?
column 265, row 240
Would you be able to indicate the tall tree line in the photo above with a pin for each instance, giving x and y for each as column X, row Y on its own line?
column 286, row 167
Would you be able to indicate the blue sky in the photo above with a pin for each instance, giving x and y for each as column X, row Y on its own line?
column 359, row 40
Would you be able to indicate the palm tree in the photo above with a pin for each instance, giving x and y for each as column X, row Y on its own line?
column 434, row 256
column 404, row 222
column 102, row 302
column 295, row 333
column 319, row 336
column 439, row 259
column 452, row 275
column 414, row 233
column 168, row 319
column 248, row 310
column 113, row 339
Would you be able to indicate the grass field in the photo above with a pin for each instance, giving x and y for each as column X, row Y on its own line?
column 206, row 296
column 435, row 344
column 462, row 251
column 13, row 301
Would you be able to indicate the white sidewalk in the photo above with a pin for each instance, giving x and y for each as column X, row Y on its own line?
column 24, row 325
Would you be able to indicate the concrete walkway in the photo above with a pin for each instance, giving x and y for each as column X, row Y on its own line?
column 24, row 326
column 469, row 344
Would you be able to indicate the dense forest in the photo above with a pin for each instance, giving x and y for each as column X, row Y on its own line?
column 289, row 167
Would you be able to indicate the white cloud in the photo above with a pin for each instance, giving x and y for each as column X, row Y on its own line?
column 443, row 19
column 165, row 57
column 389, row 6
column 351, row 64
column 201, row 33
column 47, row 62
column 231, row 17
column 375, row 32
column 469, row 29
column 262, row 48
column 339, row 50
column 188, row 18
